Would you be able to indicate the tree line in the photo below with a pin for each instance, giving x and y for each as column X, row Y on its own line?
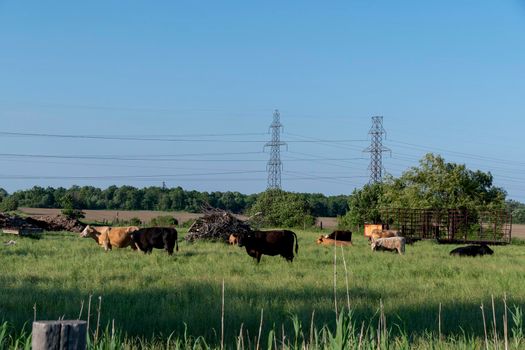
column 156, row 198
column 433, row 184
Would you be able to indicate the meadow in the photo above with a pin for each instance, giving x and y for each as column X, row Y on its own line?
column 155, row 296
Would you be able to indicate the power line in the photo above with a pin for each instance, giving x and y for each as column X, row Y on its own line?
column 180, row 138
column 113, row 177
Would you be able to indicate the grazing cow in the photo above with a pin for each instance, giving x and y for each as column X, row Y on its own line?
column 233, row 239
column 276, row 242
column 472, row 250
column 145, row 239
column 340, row 235
column 330, row 242
column 389, row 244
column 109, row 237
column 376, row 234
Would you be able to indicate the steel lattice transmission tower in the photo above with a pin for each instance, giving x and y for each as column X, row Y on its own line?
column 275, row 165
column 376, row 149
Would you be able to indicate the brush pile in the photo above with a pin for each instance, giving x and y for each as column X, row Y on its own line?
column 216, row 224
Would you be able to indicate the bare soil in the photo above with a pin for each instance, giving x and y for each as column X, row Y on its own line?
column 518, row 231
column 328, row 222
column 111, row 215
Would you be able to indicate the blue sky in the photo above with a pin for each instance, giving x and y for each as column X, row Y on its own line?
column 447, row 76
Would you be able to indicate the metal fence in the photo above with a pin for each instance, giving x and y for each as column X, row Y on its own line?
column 451, row 225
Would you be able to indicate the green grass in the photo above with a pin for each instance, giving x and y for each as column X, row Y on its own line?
column 153, row 296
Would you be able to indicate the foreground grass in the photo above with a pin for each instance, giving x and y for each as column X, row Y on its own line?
column 151, row 297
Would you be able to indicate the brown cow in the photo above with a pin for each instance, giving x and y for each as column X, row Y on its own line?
column 330, row 242
column 109, row 237
column 340, row 235
column 145, row 239
column 376, row 234
column 276, row 242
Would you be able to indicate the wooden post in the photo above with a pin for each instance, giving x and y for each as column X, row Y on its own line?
column 59, row 335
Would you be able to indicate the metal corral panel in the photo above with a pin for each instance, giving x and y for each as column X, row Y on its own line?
column 451, row 225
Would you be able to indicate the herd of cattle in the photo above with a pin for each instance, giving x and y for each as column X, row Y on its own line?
column 256, row 243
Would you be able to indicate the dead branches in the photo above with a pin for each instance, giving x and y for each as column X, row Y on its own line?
column 216, row 224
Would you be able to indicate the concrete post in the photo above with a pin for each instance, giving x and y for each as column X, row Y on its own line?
column 59, row 335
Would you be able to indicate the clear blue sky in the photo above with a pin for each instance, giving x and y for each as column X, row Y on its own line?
column 448, row 76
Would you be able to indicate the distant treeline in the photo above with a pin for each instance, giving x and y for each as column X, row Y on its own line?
column 156, row 198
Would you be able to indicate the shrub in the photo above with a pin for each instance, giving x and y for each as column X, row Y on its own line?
column 135, row 221
column 9, row 204
column 164, row 220
column 283, row 209
column 71, row 213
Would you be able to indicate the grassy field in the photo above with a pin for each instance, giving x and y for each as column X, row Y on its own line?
column 156, row 295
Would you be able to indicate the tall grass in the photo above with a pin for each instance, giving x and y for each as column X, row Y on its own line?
column 152, row 298
column 345, row 335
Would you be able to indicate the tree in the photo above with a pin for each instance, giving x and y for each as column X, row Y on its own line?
column 435, row 184
column 438, row 184
column 70, row 207
column 518, row 211
column 363, row 206
column 283, row 209
column 9, row 204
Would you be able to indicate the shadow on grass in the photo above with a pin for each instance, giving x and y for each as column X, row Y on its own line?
column 159, row 312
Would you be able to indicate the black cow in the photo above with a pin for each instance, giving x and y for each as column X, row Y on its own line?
column 472, row 250
column 276, row 242
column 341, row 235
column 146, row 239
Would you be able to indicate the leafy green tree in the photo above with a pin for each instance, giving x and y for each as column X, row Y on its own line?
column 438, row 184
column 9, row 204
column 363, row 206
column 70, row 207
column 283, row 209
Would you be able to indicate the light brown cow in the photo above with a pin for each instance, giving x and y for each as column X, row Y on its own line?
column 328, row 241
column 389, row 244
column 109, row 237
column 233, row 240
column 376, row 234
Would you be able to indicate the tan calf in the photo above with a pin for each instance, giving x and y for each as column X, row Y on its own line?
column 328, row 241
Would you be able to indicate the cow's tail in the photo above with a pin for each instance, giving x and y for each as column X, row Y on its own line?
column 296, row 243
column 176, row 245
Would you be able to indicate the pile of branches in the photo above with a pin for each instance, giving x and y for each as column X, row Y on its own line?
column 216, row 224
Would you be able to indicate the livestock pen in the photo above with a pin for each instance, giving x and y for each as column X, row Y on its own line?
column 451, row 225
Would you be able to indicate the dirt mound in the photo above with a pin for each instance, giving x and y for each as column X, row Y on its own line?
column 15, row 222
column 47, row 223
column 56, row 223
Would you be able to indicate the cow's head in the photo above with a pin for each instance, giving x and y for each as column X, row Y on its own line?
column 484, row 249
column 320, row 239
column 245, row 237
column 89, row 232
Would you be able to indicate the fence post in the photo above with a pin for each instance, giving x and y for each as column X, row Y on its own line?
column 59, row 335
